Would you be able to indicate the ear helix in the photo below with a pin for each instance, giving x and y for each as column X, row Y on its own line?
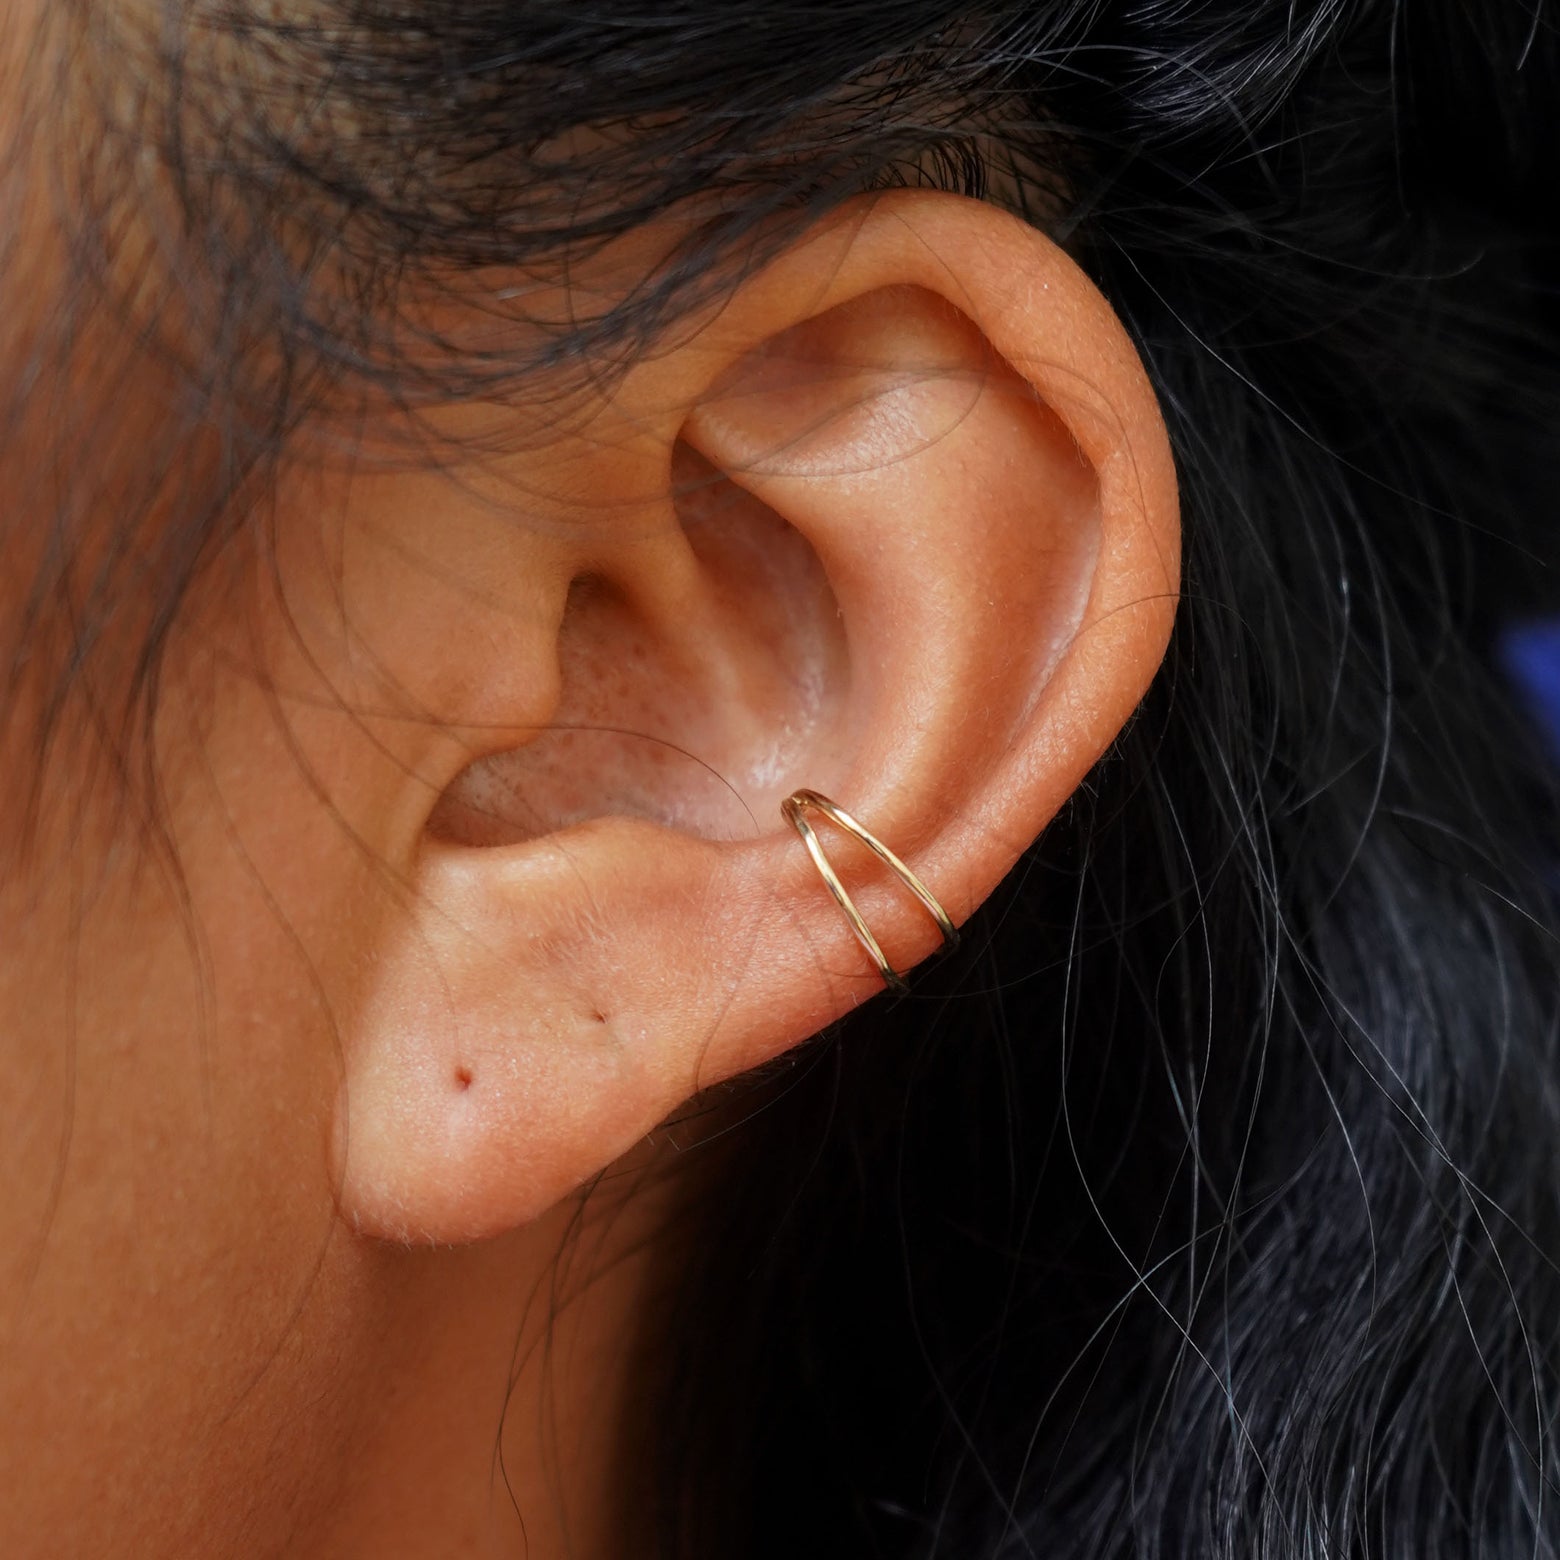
column 795, row 808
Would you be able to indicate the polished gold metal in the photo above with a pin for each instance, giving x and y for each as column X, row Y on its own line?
column 796, row 807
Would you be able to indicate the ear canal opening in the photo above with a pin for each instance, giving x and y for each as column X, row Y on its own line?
column 703, row 678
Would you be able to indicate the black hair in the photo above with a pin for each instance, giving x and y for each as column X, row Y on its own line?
column 1208, row 1204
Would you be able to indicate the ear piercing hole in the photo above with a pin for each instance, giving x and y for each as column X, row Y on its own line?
column 463, row 1078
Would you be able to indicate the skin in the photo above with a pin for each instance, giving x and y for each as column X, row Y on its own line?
column 295, row 1136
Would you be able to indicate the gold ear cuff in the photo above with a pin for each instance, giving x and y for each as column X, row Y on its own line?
column 796, row 807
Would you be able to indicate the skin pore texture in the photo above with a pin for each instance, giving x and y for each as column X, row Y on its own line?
column 471, row 776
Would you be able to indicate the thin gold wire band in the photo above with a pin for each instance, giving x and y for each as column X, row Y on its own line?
column 795, row 808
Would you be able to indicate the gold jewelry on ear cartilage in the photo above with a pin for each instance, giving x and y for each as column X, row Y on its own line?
column 796, row 807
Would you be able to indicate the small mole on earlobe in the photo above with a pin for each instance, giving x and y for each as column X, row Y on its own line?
column 462, row 1077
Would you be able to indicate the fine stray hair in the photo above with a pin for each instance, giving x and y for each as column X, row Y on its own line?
column 1206, row 1206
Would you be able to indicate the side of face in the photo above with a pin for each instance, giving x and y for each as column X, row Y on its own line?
column 468, row 868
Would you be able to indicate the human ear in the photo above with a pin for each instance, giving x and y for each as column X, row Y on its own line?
column 897, row 522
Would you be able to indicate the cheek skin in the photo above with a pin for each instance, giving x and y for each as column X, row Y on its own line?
column 172, row 1273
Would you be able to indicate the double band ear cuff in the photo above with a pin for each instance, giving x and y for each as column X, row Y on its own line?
column 795, row 808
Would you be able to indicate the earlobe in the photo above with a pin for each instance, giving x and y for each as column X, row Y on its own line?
column 915, row 545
